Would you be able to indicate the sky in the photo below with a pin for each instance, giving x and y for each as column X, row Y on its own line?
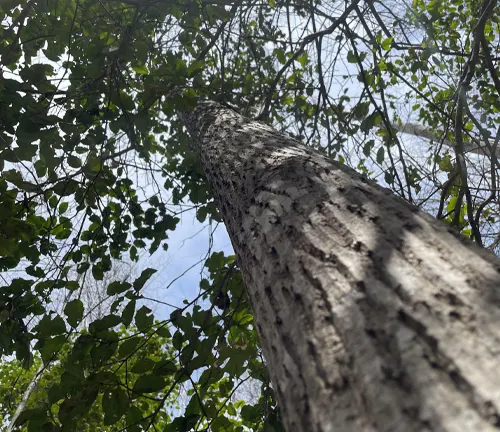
column 188, row 246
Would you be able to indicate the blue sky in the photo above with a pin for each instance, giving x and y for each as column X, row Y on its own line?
column 188, row 245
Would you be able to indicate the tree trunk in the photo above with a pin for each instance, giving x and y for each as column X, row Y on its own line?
column 25, row 398
column 372, row 314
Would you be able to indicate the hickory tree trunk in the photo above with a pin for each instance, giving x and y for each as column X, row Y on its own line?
column 372, row 314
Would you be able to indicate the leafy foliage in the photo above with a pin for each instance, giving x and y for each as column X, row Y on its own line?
column 89, row 92
column 100, row 398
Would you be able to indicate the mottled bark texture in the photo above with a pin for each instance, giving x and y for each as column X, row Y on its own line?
column 373, row 315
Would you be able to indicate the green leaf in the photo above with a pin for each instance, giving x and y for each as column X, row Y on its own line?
column 143, row 320
column 303, row 59
column 115, row 404
column 380, row 155
column 367, row 148
column 63, row 207
column 351, row 57
column 195, row 67
column 40, row 168
column 183, row 424
column 48, row 326
column 98, row 272
column 51, row 347
column 250, row 413
column 26, row 152
column 128, row 313
column 66, row 187
column 222, row 423
column 74, row 312
column 104, row 323
column 165, row 367
column 13, row 176
column 149, row 384
column 74, row 162
column 280, row 55
column 128, row 346
column 361, row 109
column 387, row 43
column 104, row 351
column 143, row 122
column 143, row 278
column 143, row 365
column 117, row 288
column 445, row 164
column 163, row 332
column 243, row 317
column 140, row 68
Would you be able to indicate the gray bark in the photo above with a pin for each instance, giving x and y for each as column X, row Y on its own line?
column 480, row 148
column 25, row 398
column 372, row 314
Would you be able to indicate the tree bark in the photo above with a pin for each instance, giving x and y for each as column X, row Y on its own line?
column 480, row 148
column 373, row 315
column 25, row 398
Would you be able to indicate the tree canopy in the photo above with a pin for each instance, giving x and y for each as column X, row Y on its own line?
column 115, row 397
column 96, row 167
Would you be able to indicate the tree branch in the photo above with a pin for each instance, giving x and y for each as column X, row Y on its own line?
column 264, row 114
